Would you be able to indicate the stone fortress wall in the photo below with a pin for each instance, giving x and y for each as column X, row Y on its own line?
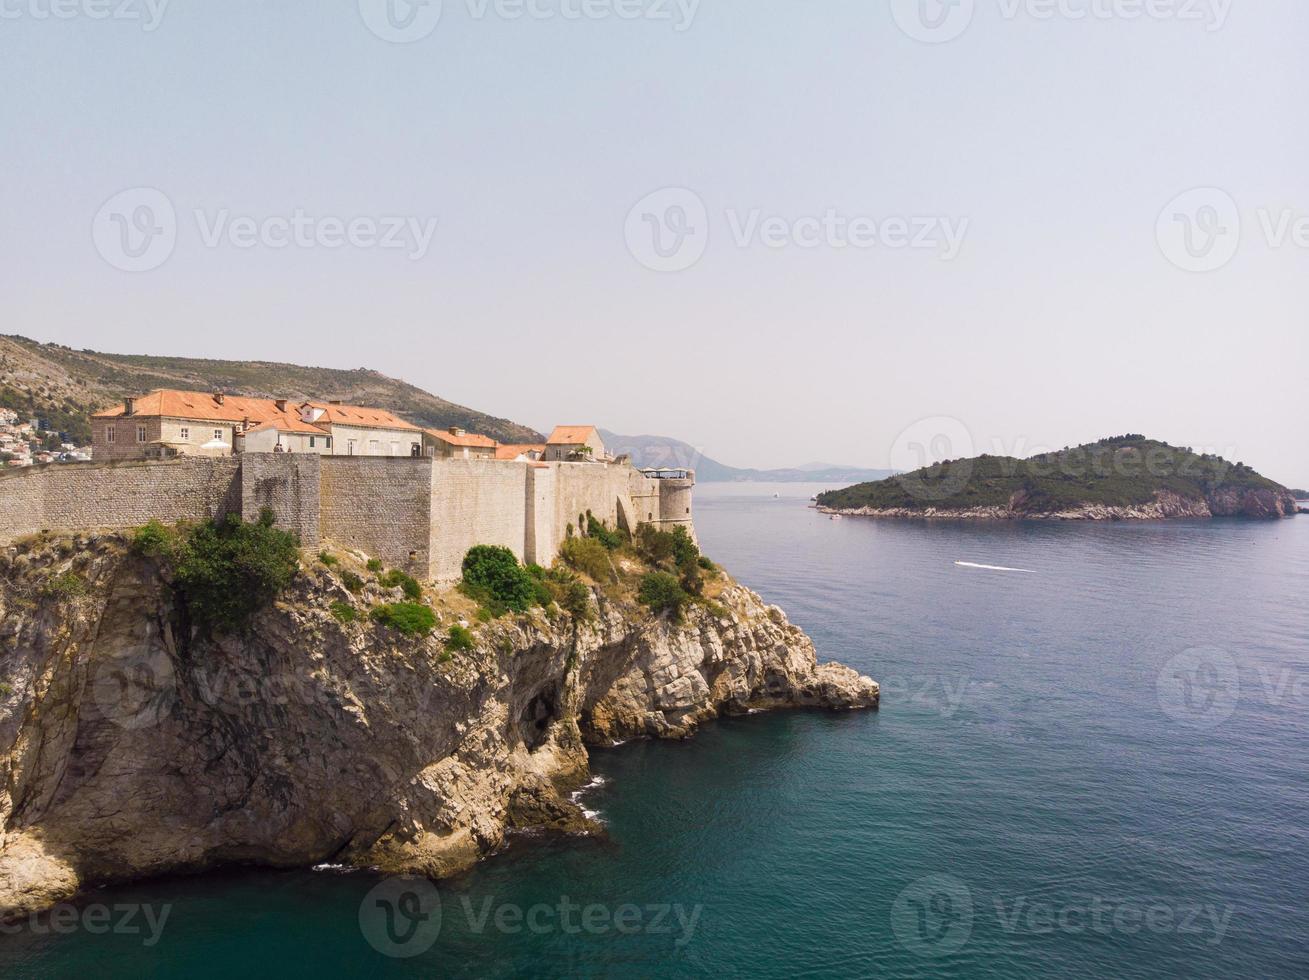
column 421, row 515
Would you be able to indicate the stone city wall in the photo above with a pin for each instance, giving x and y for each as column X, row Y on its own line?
column 116, row 496
column 420, row 515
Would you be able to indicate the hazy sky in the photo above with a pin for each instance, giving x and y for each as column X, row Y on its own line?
column 984, row 230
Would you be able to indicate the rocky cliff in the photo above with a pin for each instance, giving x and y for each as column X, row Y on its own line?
column 134, row 748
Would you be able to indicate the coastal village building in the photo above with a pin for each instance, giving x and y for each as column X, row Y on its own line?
column 575, row 443
column 455, row 443
column 165, row 424
column 521, row 453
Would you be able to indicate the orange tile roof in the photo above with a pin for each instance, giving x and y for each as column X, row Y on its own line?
column 196, row 406
column 365, row 418
column 291, row 423
column 469, row 439
column 513, row 452
column 570, row 435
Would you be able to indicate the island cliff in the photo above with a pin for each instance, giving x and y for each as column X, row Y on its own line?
column 135, row 747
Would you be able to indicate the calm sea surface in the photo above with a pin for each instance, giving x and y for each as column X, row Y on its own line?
column 1095, row 765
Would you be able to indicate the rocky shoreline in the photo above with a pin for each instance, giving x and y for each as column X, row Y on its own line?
column 1254, row 504
column 132, row 750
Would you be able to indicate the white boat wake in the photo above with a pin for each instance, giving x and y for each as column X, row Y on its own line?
column 994, row 568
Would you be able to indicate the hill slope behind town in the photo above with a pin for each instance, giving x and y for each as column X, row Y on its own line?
column 63, row 386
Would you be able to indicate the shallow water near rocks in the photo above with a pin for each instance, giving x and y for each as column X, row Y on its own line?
column 1095, row 767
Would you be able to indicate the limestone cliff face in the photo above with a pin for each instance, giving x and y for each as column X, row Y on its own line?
column 131, row 749
column 1259, row 504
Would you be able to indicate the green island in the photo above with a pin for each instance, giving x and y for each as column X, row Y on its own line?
column 1125, row 477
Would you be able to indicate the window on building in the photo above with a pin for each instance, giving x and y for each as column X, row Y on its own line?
column 328, row 442
column 140, row 433
column 395, row 449
column 186, row 433
column 218, row 434
column 374, row 447
column 110, row 435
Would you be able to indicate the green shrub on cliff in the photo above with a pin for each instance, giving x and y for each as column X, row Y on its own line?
column 408, row 618
column 226, row 571
column 407, row 583
column 154, row 540
column 344, row 613
column 494, row 577
column 612, row 540
column 68, row 585
column 663, row 593
column 460, row 640
column 590, row 557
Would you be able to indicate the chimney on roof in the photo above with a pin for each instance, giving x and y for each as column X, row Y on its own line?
column 456, row 431
column 129, row 406
column 219, row 396
column 281, row 404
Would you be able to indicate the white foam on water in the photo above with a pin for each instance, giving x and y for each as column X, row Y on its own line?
column 994, row 568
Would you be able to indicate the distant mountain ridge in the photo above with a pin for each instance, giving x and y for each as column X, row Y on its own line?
column 648, row 451
column 63, row 386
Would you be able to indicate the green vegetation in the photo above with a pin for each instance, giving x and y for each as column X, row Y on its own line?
column 590, row 557
column 1120, row 472
column 154, row 540
column 460, row 640
column 352, row 582
column 675, row 550
column 328, row 559
column 407, row 583
column 223, row 571
column 6, row 690
column 408, row 618
column 663, row 593
column 344, row 612
column 560, row 586
column 374, row 565
column 494, row 578
column 67, row 585
column 612, row 540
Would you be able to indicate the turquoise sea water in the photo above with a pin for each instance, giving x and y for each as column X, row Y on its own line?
column 1094, row 767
